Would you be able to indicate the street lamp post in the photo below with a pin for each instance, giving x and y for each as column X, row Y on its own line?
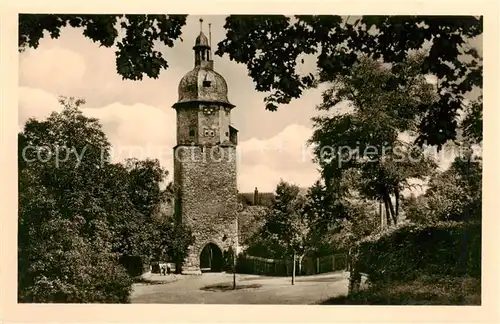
column 234, row 266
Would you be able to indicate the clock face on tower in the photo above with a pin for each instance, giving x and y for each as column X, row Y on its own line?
column 208, row 110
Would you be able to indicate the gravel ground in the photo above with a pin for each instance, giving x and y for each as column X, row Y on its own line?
column 187, row 289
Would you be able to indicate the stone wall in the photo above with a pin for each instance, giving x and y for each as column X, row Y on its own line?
column 206, row 179
column 187, row 119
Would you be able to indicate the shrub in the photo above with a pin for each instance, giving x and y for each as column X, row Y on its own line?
column 410, row 250
column 69, row 269
column 135, row 265
column 425, row 290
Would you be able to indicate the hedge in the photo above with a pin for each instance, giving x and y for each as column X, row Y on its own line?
column 410, row 250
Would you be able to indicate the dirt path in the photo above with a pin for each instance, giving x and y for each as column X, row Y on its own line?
column 271, row 290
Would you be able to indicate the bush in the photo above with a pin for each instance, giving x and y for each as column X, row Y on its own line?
column 425, row 290
column 135, row 265
column 410, row 250
column 70, row 269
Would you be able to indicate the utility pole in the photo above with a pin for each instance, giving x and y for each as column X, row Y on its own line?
column 293, row 269
column 234, row 265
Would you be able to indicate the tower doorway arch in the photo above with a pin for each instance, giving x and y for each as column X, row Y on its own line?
column 211, row 259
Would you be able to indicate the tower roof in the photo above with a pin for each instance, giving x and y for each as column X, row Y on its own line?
column 202, row 83
column 201, row 40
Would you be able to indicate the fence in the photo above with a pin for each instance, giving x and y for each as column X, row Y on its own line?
column 307, row 266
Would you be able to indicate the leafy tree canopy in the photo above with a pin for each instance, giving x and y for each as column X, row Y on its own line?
column 79, row 213
column 136, row 55
column 363, row 147
column 286, row 228
column 272, row 45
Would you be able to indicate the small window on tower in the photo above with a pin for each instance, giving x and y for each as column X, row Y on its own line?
column 227, row 133
column 206, row 83
column 191, row 132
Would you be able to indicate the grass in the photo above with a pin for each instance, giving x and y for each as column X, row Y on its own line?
column 426, row 290
column 229, row 286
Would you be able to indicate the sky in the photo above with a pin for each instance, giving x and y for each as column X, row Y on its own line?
column 137, row 116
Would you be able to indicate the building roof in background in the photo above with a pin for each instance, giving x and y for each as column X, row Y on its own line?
column 265, row 198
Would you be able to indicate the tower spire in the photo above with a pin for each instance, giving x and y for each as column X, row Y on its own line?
column 210, row 39
column 201, row 25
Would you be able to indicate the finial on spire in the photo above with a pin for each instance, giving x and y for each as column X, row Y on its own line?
column 210, row 38
column 201, row 24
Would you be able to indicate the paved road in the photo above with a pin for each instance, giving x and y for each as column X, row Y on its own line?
column 271, row 290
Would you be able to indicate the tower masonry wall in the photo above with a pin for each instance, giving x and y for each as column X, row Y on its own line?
column 187, row 120
column 206, row 179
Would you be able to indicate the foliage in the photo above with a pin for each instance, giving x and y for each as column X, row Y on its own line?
column 144, row 185
column 286, row 223
column 363, row 147
column 80, row 214
column 417, row 209
column 472, row 124
column 136, row 55
column 172, row 239
column 285, row 229
column 323, row 209
column 271, row 47
column 250, row 221
column 456, row 194
column 409, row 250
column 424, row 290
column 65, row 206
column 56, row 264
column 363, row 220
column 140, row 182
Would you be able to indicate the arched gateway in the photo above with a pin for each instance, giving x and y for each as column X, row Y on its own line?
column 205, row 162
column 211, row 259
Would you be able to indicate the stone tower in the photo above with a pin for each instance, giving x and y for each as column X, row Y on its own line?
column 205, row 163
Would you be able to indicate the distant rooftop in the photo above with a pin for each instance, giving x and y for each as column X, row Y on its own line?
column 263, row 198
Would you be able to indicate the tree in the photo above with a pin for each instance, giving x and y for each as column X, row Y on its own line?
column 136, row 56
column 456, row 194
column 135, row 230
column 173, row 239
column 286, row 224
column 145, row 178
column 65, row 206
column 363, row 147
column 271, row 47
column 417, row 209
column 81, row 216
column 472, row 123
column 323, row 209
column 363, row 220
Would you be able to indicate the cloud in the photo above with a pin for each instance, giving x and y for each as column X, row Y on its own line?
column 263, row 162
column 265, row 178
column 144, row 131
column 36, row 103
column 51, row 69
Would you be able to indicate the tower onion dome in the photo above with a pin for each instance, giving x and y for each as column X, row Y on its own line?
column 202, row 40
column 203, row 84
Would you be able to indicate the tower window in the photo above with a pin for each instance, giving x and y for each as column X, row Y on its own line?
column 207, row 83
column 191, row 132
column 227, row 133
